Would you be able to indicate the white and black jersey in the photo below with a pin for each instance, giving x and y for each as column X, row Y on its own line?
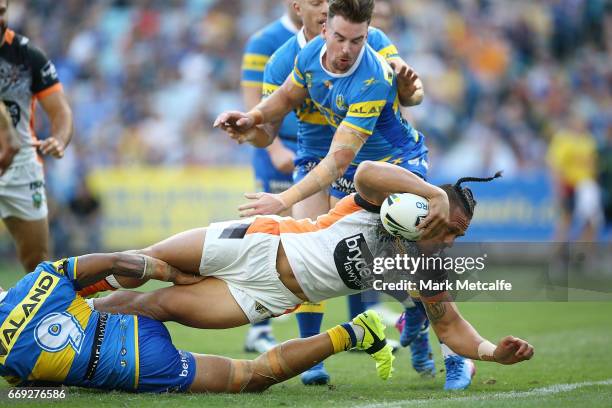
column 26, row 74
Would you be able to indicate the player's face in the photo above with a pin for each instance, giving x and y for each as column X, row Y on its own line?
column 457, row 228
column 313, row 14
column 344, row 41
column 382, row 17
column 3, row 18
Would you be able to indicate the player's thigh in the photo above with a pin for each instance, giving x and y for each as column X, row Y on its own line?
column 311, row 207
column 183, row 251
column 31, row 238
column 207, row 304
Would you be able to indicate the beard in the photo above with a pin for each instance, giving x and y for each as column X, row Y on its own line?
column 3, row 28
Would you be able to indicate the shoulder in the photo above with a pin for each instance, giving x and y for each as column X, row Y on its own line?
column 375, row 66
column 375, row 35
column 268, row 39
column 286, row 53
column 313, row 48
column 24, row 44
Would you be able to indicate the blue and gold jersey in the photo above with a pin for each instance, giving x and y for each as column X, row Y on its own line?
column 314, row 133
column 50, row 334
column 258, row 50
column 364, row 98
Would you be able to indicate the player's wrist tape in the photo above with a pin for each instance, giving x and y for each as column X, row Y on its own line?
column 257, row 116
column 148, row 267
column 486, row 351
column 113, row 282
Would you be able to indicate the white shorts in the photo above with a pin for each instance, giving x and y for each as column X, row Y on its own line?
column 588, row 203
column 247, row 263
column 22, row 192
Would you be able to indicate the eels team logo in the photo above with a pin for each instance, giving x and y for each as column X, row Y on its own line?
column 37, row 200
column 308, row 78
column 341, row 103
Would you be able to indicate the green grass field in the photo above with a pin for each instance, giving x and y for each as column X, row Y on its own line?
column 572, row 366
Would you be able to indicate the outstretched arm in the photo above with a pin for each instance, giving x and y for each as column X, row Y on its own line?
column 344, row 147
column 272, row 110
column 458, row 334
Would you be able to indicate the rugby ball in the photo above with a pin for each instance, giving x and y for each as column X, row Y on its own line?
column 401, row 214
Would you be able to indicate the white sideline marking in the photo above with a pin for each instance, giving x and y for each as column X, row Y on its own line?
column 536, row 392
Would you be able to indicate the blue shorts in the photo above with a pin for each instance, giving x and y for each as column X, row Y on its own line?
column 345, row 185
column 162, row 367
column 268, row 178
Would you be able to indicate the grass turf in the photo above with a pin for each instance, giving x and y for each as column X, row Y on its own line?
column 572, row 343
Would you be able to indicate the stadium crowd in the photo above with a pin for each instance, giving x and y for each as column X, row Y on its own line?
column 146, row 79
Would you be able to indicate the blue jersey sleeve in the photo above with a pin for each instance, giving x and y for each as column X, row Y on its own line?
column 66, row 268
column 379, row 41
column 257, row 53
column 296, row 75
column 277, row 70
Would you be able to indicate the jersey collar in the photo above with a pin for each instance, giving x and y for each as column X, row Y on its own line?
column 366, row 205
column 347, row 73
column 288, row 24
column 301, row 38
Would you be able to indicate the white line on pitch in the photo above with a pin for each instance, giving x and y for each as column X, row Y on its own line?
column 536, row 392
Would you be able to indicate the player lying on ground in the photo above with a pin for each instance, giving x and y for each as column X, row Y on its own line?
column 49, row 334
column 265, row 266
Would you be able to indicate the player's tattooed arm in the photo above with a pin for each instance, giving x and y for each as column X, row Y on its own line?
column 375, row 181
column 95, row 267
column 435, row 310
column 458, row 334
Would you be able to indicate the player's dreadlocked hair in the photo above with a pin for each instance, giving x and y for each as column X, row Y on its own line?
column 463, row 196
column 355, row 11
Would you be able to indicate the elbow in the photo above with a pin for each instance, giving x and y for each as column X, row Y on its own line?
column 364, row 171
column 342, row 159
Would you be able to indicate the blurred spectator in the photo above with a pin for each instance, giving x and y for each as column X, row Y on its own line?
column 605, row 179
column 572, row 156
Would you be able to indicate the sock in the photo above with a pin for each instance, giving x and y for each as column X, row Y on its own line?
column 100, row 286
column 355, row 305
column 309, row 317
column 345, row 336
column 264, row 323
column 360, row 302
column 446, row 351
